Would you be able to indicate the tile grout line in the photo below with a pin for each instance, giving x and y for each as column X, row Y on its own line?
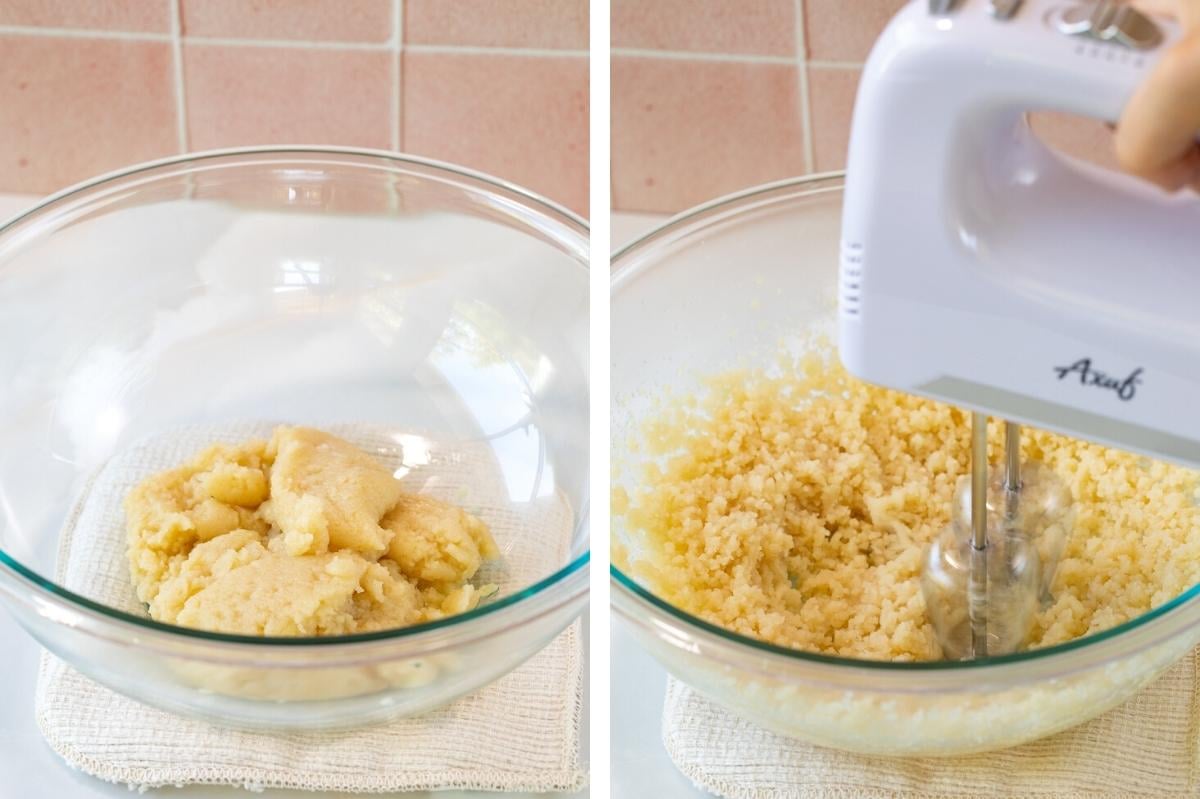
column 226, row 41
column 397, row 99
column 181, row 124
column 84, row 33
column 466, row 49
column 824, row 64
column 682, row 55
column 806, row 125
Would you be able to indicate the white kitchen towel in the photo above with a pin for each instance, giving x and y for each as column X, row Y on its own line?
column 521, row 733
column 1147, row 747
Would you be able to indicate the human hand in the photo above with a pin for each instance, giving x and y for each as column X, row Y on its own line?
column 1156, row 135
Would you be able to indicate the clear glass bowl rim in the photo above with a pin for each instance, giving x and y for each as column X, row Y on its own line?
column 628, row 592
column 56, row 595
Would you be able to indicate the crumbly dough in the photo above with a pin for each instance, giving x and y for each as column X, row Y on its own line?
column 301, row 535
column 795, row 508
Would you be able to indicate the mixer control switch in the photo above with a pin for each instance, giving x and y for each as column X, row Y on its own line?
column 1132, row 28
column 1004, row 9
column 1110, row 21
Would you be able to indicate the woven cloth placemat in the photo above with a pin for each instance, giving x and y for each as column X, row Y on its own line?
column 1146, row 747
column 520, row 733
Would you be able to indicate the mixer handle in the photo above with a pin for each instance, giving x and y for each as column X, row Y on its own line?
column 976, row 263
column 1073, row 56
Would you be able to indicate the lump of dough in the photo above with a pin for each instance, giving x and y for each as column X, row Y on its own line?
column 289, row 538
column 235, row 484
column 169, row 513
column 388, row 599
column 207, row 562
column 308, row 595
column 328, row 495
column 435, row 542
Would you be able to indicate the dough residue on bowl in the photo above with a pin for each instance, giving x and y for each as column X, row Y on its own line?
column 304, row 534
column 795, row 506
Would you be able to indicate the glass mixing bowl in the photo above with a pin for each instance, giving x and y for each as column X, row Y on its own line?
column 442, row 307
column 722, row 287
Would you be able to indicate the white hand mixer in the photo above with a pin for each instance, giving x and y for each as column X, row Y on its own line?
column 983, row 269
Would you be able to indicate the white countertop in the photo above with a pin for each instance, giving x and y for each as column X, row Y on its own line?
column 640, row 765
column 30, row 770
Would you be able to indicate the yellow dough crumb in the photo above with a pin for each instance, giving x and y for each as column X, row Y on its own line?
column 795, row 508
column 301, row 535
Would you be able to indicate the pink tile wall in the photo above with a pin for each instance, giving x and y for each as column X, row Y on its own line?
column 687, row 131
column 133, row 15
column 88, row 108
column 497, row 85
column 504, row 114
column 286, row 95
column 561, row 24
column 311, row 20
column 751, row 27
column 710, row 96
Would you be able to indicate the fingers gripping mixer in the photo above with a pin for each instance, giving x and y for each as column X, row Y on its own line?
column 983, row 269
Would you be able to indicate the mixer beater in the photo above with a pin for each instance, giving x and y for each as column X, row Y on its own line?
column 985, row 574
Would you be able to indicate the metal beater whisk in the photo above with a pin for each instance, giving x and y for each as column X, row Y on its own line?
column 986, row 572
